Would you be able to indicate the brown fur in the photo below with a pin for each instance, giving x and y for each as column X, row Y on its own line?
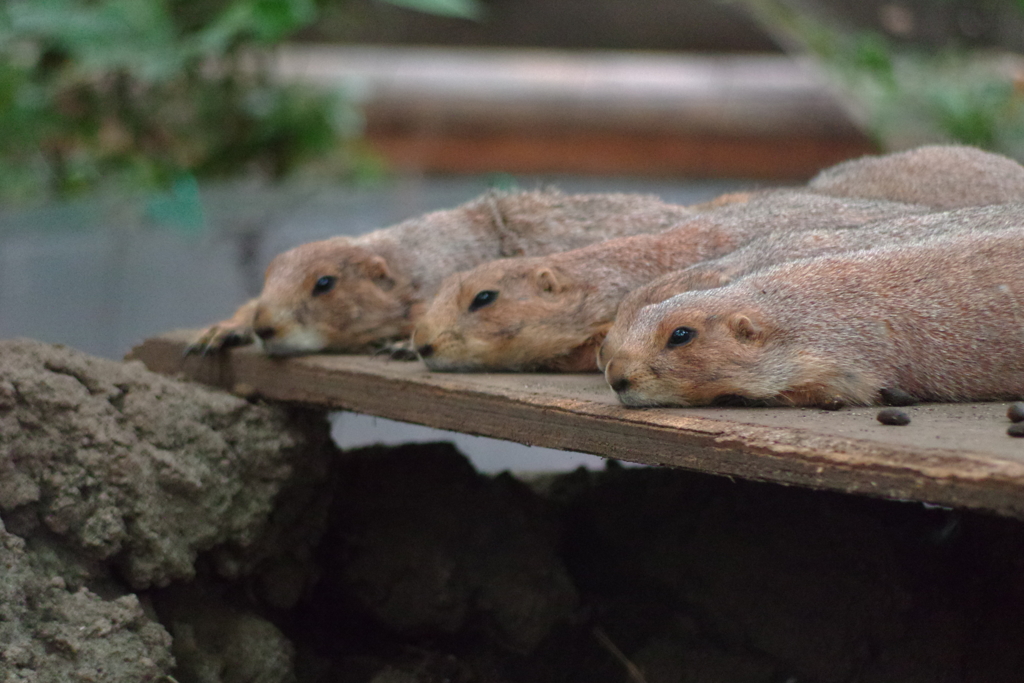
column 775, row 249
column 942, row 176
column 551, row 312
column 384, row 278
column 941, row 320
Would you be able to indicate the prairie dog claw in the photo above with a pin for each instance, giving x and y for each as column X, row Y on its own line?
column 235, row 331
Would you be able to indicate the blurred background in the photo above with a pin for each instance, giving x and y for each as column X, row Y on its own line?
column 156, row 154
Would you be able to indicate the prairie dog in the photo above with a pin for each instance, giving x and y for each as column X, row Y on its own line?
column 942, row 176
column 346, row 294
column 775, row 249
column 941, row 320
column 551, row 313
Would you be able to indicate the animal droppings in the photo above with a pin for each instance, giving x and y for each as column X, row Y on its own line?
column 834, row 403
column 891, row 416
column 1015, row 412
column 896, row 397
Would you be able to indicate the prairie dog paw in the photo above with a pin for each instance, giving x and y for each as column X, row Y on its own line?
column 400, row 350
column 218, row 337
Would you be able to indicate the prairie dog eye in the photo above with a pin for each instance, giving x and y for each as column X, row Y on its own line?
column 324, row 284
column 681, row 336
column 484, row 298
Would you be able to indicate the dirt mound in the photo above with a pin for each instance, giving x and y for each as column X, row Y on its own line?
column 152, row 527
column 114, row 479
column 49, row 633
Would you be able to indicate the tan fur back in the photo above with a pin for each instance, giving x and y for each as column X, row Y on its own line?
column 942, row 176
column 774, row 249
column 382, row 280
column 941, row 319
column 551, row 312
column 379, row 282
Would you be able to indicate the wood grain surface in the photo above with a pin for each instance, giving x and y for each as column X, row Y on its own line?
column 956, row 455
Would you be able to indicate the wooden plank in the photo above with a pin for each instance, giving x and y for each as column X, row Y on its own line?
column 727, row 95
column 954, row 455
column 612, row 152
column 474, row 110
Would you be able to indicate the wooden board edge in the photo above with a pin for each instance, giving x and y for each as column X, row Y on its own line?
column 771, row 454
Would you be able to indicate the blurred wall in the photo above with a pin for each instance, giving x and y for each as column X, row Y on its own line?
column 690, row 25
column 698, row 25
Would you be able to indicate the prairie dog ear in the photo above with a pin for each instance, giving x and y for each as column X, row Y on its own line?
column 545, row 280
column 747, row 326
column 376, row 268
column 600, row 332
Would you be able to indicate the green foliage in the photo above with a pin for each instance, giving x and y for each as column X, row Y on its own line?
column 145, row 92
column 119, row 91
column 179, row 208
column 949, row 96
column 907, row 96
column 871, row 55
column 462, row 9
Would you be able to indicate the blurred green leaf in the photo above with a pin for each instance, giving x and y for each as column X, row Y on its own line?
column 98, row 37
column 266, row 21
column 461, row 9
column 180, row 209
column 872, row 54
column 145, row 92
column 908, row 95
column 972, row 114
column 504, row 182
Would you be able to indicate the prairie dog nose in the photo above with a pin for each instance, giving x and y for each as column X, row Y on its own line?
column 615, row 378
column 619, row 385
column 425, row 351
column 262, row 323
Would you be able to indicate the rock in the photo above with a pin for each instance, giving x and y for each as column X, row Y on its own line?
column 50, row 633
column 215, row 642
column 115, row 479
column 122, row 468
